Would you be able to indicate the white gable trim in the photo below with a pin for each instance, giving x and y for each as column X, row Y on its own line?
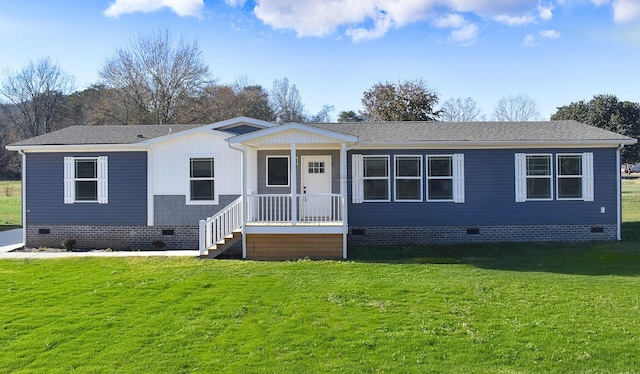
column 256, row 136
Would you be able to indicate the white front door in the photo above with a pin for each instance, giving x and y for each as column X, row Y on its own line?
column 316, row 201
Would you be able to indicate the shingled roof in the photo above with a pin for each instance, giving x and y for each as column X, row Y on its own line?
column 367, row 132
column 427, row 132
column 82, row 135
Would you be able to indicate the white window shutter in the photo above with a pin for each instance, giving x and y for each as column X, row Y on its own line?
column 587, row 176
column 103, row 180
column 69, row 173
column 458, row 178
column 521, row 177
column 357, row 188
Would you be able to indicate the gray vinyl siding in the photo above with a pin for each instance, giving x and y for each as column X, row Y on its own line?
column 262, row 169
column 490, row 195
column 171, row 210
column 127, row 191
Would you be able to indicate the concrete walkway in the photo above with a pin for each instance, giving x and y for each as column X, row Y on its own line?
column 12, row 239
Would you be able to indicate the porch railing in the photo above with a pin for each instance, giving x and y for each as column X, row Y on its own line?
column 311, row 208
column 221, row 224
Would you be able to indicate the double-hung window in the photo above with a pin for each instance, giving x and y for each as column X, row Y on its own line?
column 574, row 178
column 535, row 176
column 408, row 178
column 375, row 178
column 445, row 178
column 85, row 180
column 202, row 188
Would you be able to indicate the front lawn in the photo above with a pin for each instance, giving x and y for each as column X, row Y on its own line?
column 565, row 309
column 506, row 308
column 10, row 205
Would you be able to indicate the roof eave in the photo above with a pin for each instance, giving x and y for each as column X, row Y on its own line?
column 497, row 144
column 46, row 148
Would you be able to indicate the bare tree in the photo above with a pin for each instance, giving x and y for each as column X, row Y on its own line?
column 155, row 76
column 516, row 108
column 461, row 110
column 410, row 100
column 34, row 95
column 286, row 102
column 324, row 115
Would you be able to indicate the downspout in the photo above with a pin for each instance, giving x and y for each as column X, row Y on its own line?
column 343, row 187
column 243, row 152
column 619, row 197
column 24, row 196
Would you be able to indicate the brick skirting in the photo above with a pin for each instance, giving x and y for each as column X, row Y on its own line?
column 115, row 237
column 389, row 235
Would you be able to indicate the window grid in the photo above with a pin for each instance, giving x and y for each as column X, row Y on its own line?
column 375, row 178
column 440, row 178
column 539, row 177
column 86, row 179
column 569, row 176
column 408, row 177
column 202, row 179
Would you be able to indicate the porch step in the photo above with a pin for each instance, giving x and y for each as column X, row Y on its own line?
column 224, row 244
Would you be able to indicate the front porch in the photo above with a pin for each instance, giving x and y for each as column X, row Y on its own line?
column 294, row 200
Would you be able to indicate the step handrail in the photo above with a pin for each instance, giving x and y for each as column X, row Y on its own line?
column 215, row 228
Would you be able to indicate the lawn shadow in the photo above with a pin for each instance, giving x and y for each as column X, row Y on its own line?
column 9, row 227
column 592, row 258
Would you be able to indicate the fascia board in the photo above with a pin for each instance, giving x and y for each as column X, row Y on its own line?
column 496, row 145
column 292, row 126
column 80, row 148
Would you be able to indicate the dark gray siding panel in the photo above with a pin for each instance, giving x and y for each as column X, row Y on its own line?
column 127, row 191
column 171, row 210
column 490, row 195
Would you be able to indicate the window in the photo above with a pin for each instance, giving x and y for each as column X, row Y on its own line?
column 202, row 179
column 408, row 178
column 370, row 178
column 316, row 167
column 574, row 177
column 375, row 178
column 439, row 178
column 85, row 180
column 278, row 171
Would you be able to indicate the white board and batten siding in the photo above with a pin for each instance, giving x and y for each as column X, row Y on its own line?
column 170, row 164
column 295, row 136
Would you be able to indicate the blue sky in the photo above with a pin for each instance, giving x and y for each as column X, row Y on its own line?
column 555, row 51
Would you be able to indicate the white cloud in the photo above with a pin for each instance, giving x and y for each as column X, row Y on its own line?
column 626, row 11
column 601, row 2
column 515, row 20
column 464, row 32
column 550, row 34
column 545, row 12
column 529, row 41
column 451, row 20
column 365, row 20
column 183, row 8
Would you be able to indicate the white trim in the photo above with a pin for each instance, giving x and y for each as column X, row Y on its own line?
column 266, row 170
column 289, row 229
column 495, row 144
column 396, row 178
column 582, row 176
column 343, row 193
column 339, row 137
column 188, row 200
column 101, row 179
column 293, row 180
column 619, row 197
column 150, row 190
column 458, row 178
column 521, row 177
column 388, row 178
column 357, row 187
column 588, row 193
column 550, row 176
column 451, row 177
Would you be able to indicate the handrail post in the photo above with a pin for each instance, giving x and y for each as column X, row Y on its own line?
column 202, row 236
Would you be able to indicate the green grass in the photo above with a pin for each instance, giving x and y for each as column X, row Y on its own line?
column 10, row 206
column 510, row 308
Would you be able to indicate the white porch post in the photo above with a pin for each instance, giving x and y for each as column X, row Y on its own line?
column 294, row 186
column 244, row 201
column 343, row 193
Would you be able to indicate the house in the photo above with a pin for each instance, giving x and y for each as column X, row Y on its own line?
column 298, row 190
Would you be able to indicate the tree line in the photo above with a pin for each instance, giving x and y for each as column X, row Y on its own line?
column 156, row 79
